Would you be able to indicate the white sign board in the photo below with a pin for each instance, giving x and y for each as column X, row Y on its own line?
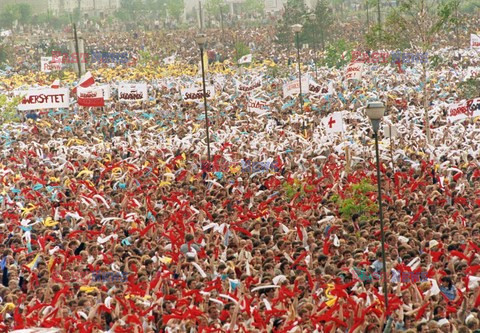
column 257, row 106
column 47, row 65
column 132, row 92
column 354, row 71
column 464, row 110
column 196, row 94
column 44, row 98
column 293, row 87
column 474, row 41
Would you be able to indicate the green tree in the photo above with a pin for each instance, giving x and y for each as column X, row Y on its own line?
column 25, row 11
column 240, row 50
column 8, row 108
column 214, row 7
column 10, row 14
column 252, row 6
column 295, row 12
column 334, row 56
column 175, row 8
column 357, row 200
column 318, row 30
column 420, row 21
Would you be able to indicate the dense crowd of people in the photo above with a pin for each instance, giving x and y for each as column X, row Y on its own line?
column 189, row 245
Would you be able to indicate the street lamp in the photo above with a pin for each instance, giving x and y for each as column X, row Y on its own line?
column 375, row 111
column 201, row 40
column 312, row 17
column 296, row 28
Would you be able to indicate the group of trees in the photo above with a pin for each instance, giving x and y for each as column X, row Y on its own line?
column 131, row 10
column 316, row 30
column 15, row 12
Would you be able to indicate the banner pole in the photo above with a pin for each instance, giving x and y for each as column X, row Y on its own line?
column 76, row 50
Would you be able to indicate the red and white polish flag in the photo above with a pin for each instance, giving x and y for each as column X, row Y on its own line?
column 85, row 81
column 55, row 84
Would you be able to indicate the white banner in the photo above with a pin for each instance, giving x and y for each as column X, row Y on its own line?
column 293, row 87
column 257, row 106
column 132, row 92
column 316, row 89
column 354, row 71
column 89, row 92
column 472, row 72
column 196, row 94
column 246, row 59
column 474, row 41
column 464, row 110
column 47, row 64
column 44, row 98
column 247, row 88
column 105, row 91
column 333, row 123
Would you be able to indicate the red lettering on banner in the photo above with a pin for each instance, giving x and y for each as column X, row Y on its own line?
column 33, row 99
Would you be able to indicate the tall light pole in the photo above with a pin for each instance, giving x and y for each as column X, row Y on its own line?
column 201, row 40
column 313, row 17
column 296, row 28
column 375, row 111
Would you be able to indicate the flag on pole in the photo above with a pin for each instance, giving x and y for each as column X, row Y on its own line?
column 85, row 81
column 246, row 59
column 333, row 123
column 55, row 84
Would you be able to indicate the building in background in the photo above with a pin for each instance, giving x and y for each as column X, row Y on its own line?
column 89, row 7
column 38, row 6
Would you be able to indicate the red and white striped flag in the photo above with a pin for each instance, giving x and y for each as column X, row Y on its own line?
column 85, row 81
column 55, row 84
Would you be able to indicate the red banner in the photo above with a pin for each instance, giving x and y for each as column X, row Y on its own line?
column 91, row 101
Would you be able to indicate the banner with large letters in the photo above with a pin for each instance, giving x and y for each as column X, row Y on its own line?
column 48, row 65
column 132, row 92
column 246, row 88
column 257, row 106
column 293, row 87
column 43, row 98
column 316, row 89
column 354, row 71
column 196, row 94
column 90, row 96
column 464, row 109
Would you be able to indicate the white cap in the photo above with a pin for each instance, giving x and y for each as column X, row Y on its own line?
column 442, row 322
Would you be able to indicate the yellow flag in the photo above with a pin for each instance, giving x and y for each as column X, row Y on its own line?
column 331, row 299
column 34, row 261
column 88, row 289
column 49, row 222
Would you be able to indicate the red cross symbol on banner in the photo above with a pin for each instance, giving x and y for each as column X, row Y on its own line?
column 331, row 122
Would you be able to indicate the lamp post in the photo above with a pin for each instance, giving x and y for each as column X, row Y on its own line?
column 201, row 40
column 296, row 28
column 312, row 17
column 375, row 111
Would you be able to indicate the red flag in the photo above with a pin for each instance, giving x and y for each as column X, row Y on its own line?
column 85, row 81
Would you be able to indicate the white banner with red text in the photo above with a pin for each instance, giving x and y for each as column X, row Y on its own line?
column 48, row 65
column 293, row 87
column 464, row 109
column 43, row 98
column 258, row 106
